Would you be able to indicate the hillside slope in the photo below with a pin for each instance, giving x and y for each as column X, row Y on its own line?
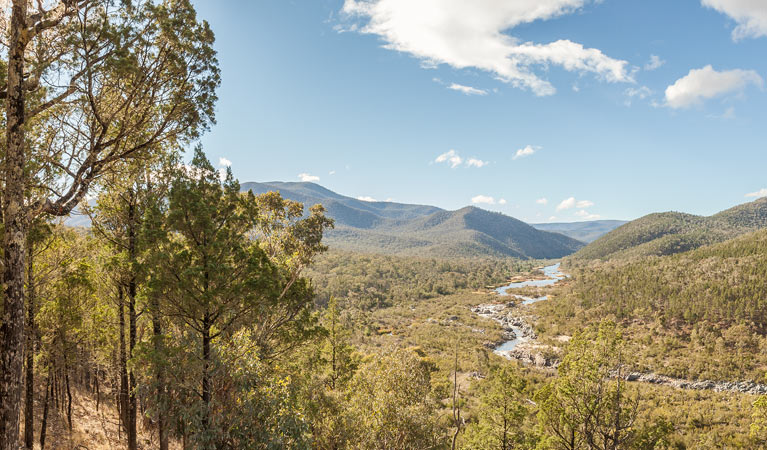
column 672, row 232
column 401, row 229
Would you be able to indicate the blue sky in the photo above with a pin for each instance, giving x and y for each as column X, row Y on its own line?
column 617, row 108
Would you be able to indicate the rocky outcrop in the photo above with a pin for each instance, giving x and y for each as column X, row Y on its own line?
column 531, row 354
column 743, row 387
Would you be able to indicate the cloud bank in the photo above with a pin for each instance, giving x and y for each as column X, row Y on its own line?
column 474, row 34
column 750, row 15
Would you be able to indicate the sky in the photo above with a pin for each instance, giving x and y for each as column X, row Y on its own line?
column 545, row 110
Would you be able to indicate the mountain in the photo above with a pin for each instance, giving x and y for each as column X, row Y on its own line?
column 347, row 211
column 396, row 228
column 582, row 231
column 673, row 232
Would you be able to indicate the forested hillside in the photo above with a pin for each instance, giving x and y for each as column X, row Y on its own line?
column 416, row 230
column 698, row 314
column 672, row 232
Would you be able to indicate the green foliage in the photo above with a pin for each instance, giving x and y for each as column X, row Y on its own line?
column 391, row 400
column 501, row 412
column 369, row 281
column 583, row 407
column 670, row 233
column 693, row 315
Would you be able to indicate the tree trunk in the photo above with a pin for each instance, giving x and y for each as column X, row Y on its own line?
column 160, row 375
column 98, row 391
column 131, row 410
column 205, row 371
column 29, row 400
column 123, row 399
column 44, row 423
column 69, row 399
column 15, row 235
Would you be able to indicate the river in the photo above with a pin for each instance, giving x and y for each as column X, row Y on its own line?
column 553, row 275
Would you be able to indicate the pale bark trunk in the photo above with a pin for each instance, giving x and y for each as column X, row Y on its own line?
column 14, row 239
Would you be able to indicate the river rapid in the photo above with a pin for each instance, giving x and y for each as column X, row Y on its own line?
column 515, row 328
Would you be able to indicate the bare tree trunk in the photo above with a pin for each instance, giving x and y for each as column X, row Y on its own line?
column 206, row 371
column 123, row 398
column 131, row 410
column 160, row 375
column 98, row 391
column 456, row 404
column 69, row 399
column 15, row 235
column 29, row 400
column 44, row 423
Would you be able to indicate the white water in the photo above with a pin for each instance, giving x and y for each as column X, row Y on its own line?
column 553, row 274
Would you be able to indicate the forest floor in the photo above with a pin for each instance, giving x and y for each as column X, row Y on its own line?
column 92, row 428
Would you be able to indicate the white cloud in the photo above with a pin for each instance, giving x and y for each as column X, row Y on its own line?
column 451, row 157
column 707, row 83
column 484, row 199
column 552, row 218
column 758, row 194
column 305, row 177
column 474, row 162
column 654, row 63
column 332, row 172
column 571, row 202
column 224, row 162
column 468, row 90
column 750, row 15
column 366, row 198
column 586, row 216
column 566, row 204
column 641, row 93
column 474, row 34
column 527, row 151
column 454, row 159
column 542, row 201
column 502, row 201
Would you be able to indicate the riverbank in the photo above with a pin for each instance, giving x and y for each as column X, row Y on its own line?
column 519, row 341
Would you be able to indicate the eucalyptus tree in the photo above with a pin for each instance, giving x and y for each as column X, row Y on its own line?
column 81, row 78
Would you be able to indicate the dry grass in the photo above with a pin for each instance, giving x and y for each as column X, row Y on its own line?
column 92, row 428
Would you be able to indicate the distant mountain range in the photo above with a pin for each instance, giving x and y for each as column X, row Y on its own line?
column 673, row 232
column 582, row 231
column 397, row 228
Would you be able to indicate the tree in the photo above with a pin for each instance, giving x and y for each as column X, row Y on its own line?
column 137, row 74
column 337, row 351
column 502, row 411
column 118, row 221
column 231, row 262
column 391, row 403
column 589, row 404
